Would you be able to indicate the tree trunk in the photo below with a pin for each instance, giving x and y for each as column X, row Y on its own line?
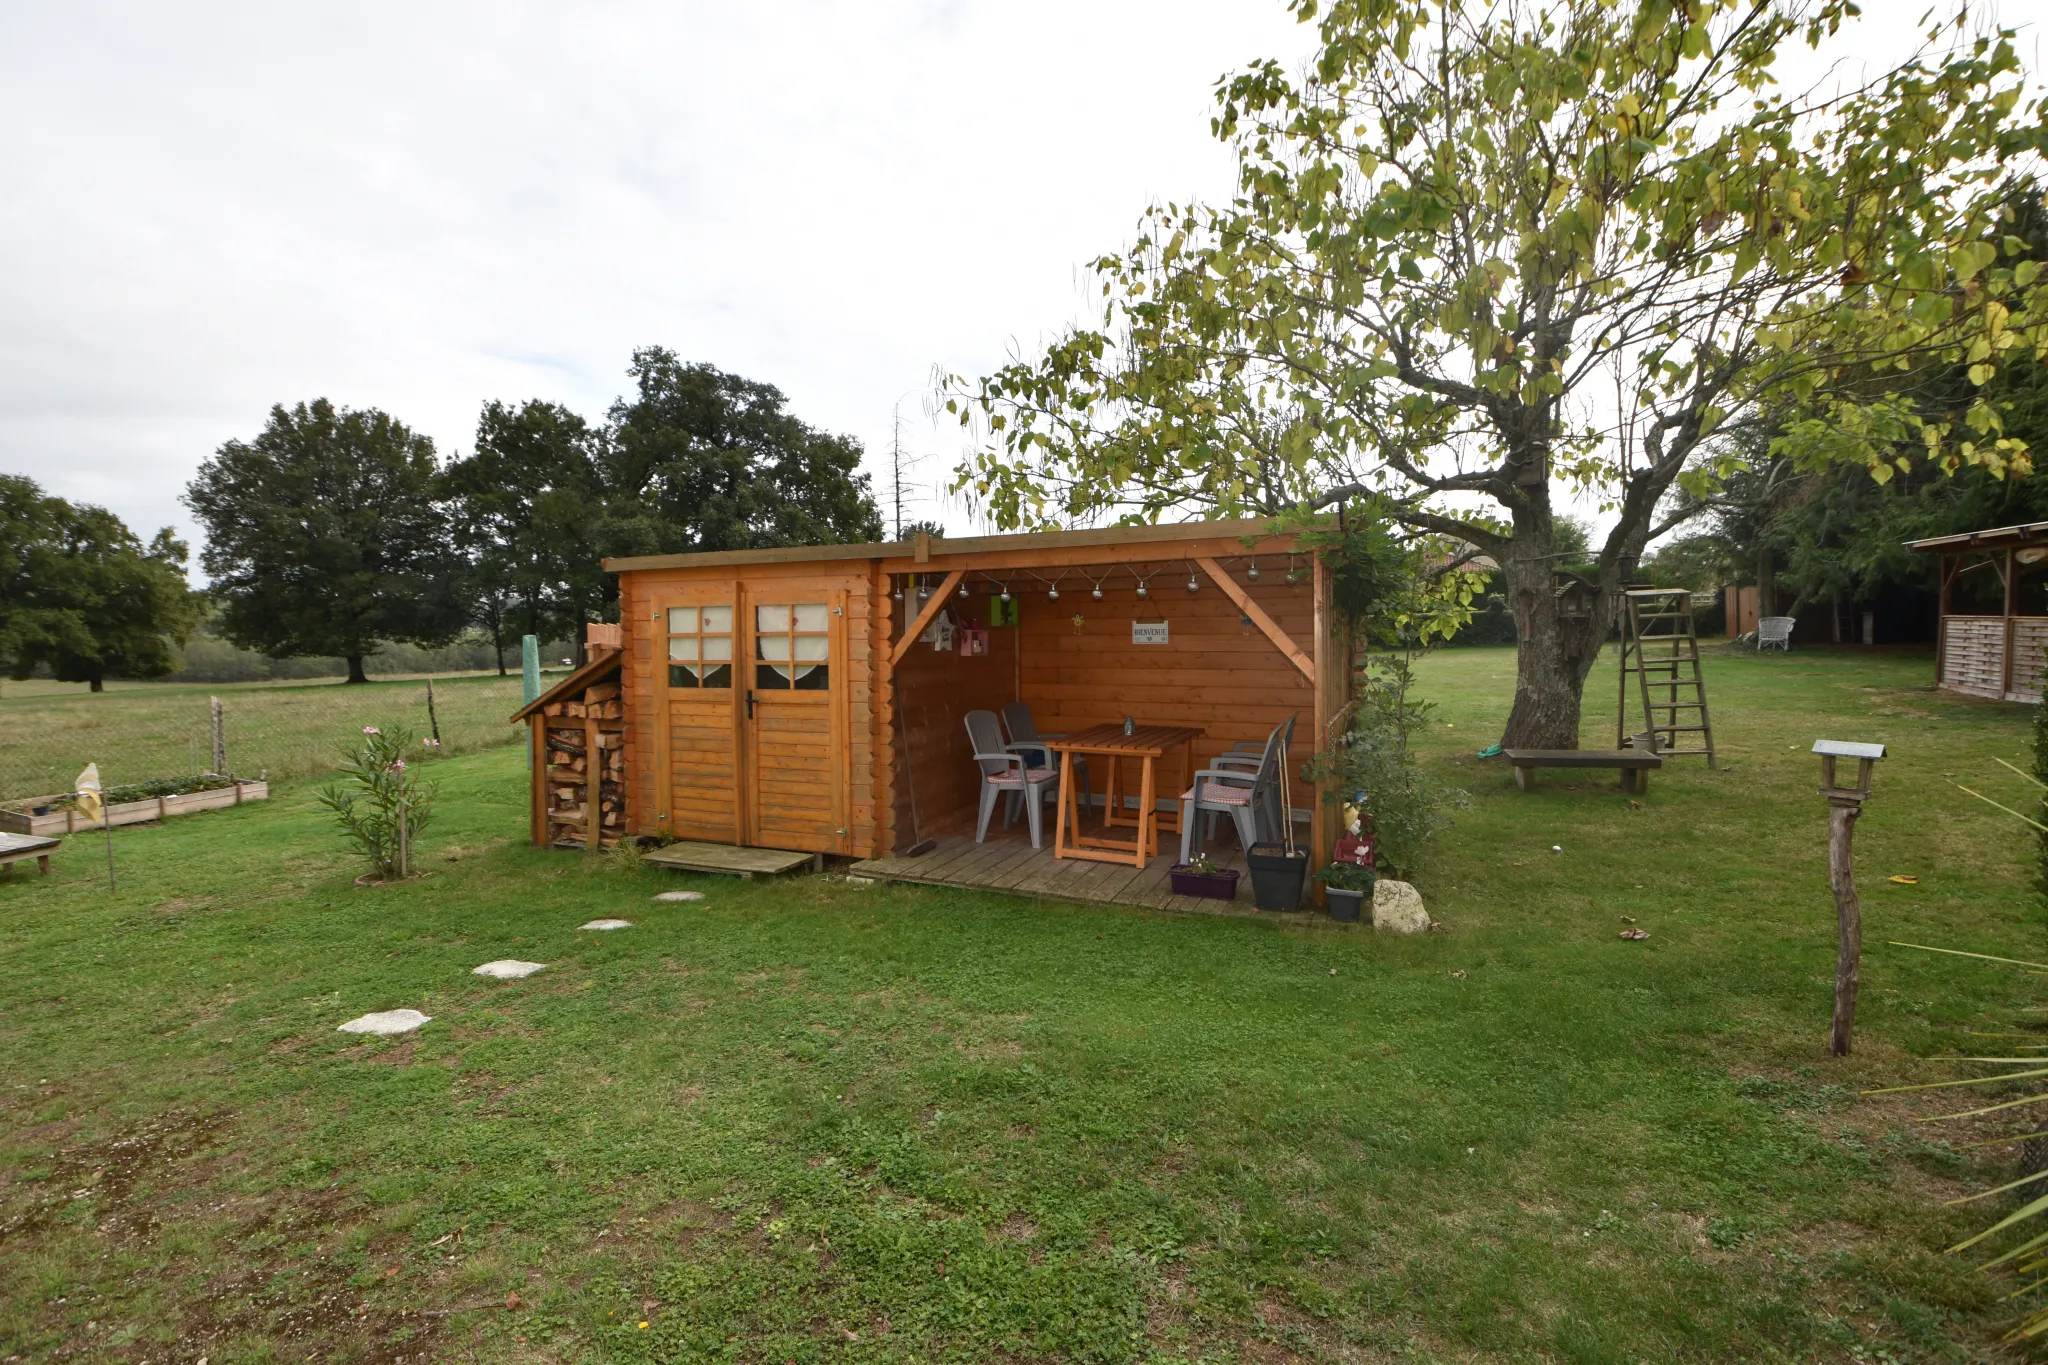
column 355, row 669
column 97, row 686
column 1766, row 584
column 498, row 644
column 1553, row 652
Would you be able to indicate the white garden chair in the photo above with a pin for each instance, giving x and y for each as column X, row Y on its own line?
column 1006, row 772
column 1775, row 632
column 1024, row 734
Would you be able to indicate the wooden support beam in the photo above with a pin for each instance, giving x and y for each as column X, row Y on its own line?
column 1236, row 593
column 924, row 618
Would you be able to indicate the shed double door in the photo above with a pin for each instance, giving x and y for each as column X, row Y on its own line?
column 755, row 689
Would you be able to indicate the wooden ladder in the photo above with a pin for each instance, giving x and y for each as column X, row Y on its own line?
column 1659, row 646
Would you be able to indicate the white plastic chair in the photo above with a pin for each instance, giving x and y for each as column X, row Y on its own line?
column 1232, row 791
column 1024, row 734
column 1775, row 632
column 1005, row 772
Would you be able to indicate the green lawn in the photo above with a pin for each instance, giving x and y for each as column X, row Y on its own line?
column 138, row 731
column 810, row 1120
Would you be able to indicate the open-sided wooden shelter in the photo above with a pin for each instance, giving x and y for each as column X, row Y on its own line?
column 807, row 698
column 576, row 743
column 1994, row 610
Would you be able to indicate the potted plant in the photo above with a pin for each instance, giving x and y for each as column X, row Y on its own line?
column 1280, row 870
column 1347, row 885
column 1204, row 879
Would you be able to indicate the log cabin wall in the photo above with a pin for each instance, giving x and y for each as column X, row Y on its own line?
column 932, row 693
column 1217, row 670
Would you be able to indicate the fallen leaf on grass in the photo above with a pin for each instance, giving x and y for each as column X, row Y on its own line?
column 1628, row 919
column 449, row 1237
column 512, row 1299
column 1907, row 881
column 389, row 1271
column 1458, row 975
column 1635, row 933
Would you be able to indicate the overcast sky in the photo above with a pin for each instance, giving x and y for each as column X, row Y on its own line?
column 211, row 208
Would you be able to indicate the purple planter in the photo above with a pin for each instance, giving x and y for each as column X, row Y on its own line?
column 1213, row 886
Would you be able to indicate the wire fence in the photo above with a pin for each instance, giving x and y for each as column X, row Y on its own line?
column 147, row 731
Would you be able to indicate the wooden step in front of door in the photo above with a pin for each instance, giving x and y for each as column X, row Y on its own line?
column 732, row 861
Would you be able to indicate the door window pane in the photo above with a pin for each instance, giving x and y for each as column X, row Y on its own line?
column 811, row 616
column 813, row 678
column 771, row 647
column 771, row 619
column 700, row 647
column 812, row 648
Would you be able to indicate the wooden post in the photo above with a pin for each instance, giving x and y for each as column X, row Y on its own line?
column 593, row 784
column 433, row 719
column 220, row 738
column 1842, row 813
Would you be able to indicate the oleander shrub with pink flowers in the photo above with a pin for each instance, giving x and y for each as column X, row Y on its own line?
column 380, row 798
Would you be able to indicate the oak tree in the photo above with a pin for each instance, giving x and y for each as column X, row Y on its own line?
column 1482, row 255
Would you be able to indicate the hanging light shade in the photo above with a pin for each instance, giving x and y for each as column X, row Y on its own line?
column 1252, row 571
column 1194, row 583
column 898, row 594
column 1006, row 592
column 924, row 590
column 1143, row 591
column 963, row 587
column 1098, row 592
column 1053, row 592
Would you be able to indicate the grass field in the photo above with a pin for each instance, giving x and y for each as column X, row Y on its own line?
column 809, row 1120
column 139, row 731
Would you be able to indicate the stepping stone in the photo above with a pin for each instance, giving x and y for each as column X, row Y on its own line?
column 680, row 896
column 385, row 1022
column 507, row 969
column 607, row 924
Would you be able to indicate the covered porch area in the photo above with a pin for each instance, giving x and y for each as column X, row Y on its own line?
column 1221, row 631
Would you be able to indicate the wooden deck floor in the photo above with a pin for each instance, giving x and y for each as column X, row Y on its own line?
column 729, row 860
column 1007, row 862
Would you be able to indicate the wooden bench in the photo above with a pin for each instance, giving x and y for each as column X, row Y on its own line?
column 16, row 848
column 1635, row 764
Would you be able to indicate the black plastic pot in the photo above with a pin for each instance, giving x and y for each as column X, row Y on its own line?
column 1345, row 906
column 1220, row 885
column 1277, row 876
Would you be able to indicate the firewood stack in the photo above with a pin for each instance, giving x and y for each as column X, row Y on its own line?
column 586, row 739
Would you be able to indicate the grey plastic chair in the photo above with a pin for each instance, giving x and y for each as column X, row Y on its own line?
column 1249, row 756
column 1232, row 791
column 1024, row 732
column 1006, row 772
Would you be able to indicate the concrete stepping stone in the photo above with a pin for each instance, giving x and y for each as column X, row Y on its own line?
column 680, row 896
column 601, row 924
column 508, row 969
column 385, row 1022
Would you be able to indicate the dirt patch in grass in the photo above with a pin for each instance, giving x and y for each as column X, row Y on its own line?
column 109, row 1171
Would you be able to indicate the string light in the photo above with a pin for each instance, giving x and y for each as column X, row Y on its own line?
column 1053, row 592
column 1143, row 591
column 963, row 587
column 1251, row 573
column 1098, row 590
column 898, row 594
column 1194, row 583
column 924, row 589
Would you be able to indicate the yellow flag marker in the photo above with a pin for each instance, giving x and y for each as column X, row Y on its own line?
column 88, row 788
column 88, row 800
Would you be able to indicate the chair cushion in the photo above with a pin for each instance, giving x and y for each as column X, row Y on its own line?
column 1013, row 778
column 1215, row 793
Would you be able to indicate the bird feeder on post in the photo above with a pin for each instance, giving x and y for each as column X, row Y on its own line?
column 1845, row 803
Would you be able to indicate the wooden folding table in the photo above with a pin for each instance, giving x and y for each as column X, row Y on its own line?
column 1147, row 744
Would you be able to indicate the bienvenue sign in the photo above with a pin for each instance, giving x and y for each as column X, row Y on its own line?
column 1148, row 632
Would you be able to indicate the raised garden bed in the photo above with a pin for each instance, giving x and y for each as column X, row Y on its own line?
column 64, row 818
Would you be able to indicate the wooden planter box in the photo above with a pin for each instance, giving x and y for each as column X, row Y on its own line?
column 69, row 821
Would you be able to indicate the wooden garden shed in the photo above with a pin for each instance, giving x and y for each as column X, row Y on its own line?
column 813, row 698
column 1994, row 610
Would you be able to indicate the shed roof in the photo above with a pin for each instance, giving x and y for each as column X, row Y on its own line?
column 2027, row 533
column 900, row 549
column 598, row 666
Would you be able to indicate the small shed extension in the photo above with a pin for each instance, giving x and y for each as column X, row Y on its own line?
column 1994, row 610
column 577, row 748
column 813, row 698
